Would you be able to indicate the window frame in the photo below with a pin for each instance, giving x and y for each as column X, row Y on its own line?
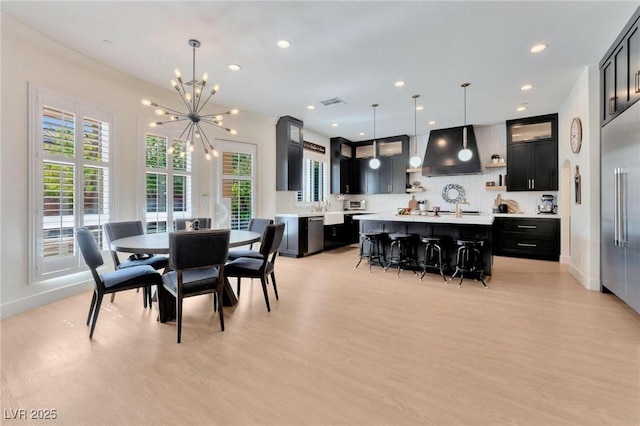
column 322, row 159
column 42, row 268
column 243, row 148
column 170, row 132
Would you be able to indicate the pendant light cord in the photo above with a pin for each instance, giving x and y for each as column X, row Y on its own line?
column 374, row 130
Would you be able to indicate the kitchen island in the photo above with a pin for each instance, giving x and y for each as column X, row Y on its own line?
column 447, row 226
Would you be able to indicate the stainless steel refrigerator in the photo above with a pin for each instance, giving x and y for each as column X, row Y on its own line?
column 620, row 206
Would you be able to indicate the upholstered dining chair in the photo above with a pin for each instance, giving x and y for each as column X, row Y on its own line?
column 248, row 267
column 181, row 224
column 258, row 225
column 113, row 281
column 117, row 230
column 197, row 260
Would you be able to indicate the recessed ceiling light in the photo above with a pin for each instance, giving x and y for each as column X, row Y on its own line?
column 311, row 107
column 432, row 122
column 399, row 83
column 527, row 87
column 283, row 44
column 419, row 108
column 234, row 67
column 521, row 108
column 538, row 48
column 334, row 125
column 362, row 133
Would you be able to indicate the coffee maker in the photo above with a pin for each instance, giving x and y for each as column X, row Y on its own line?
column 547, row 204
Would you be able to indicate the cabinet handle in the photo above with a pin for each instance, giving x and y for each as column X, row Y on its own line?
column 637, row 81
column 619, row 208
column 612, row 105
column 527, row 226
column 526, row 245
column 347, row 186
column 533, row 184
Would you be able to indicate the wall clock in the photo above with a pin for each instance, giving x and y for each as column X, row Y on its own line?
column 576, row 135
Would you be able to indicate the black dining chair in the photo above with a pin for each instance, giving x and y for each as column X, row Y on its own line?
column 258, row 225
column 181, row 223
column 113, row 281
column 197, row 260
column 117, row 230
column 248, row 267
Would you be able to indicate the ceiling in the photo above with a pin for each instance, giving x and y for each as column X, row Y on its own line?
column 351, row 50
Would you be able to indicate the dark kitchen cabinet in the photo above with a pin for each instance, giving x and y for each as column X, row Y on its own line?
column 342, row 234
column 620, row 72
column 302, row 235
column 392, row 175
column 350, row 171
column 534, row 238
column 289, row 146
column 532, row 154
column 334, row 236
column 368, row 178
column 344, row 171
column 294, row 239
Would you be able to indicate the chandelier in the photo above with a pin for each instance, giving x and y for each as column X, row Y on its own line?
column 192, row 97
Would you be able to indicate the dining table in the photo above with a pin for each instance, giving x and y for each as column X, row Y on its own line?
column 158, row 243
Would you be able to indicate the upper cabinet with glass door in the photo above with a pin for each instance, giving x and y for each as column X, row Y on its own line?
column 620, row 72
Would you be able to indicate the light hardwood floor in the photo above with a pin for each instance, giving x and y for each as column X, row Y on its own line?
column 341, row 347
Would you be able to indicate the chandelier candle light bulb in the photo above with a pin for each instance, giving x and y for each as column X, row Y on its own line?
column 193, row 116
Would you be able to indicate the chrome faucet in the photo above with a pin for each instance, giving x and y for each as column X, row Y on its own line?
column 458, row 211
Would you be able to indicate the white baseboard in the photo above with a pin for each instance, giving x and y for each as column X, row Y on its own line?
column 22, row 305
column 588, row 283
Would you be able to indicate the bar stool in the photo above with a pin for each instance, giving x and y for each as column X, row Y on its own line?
column 404, row 251
column 374, row 239
column 432, row 255
column 469, row 260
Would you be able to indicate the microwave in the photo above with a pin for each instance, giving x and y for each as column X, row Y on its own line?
column 354, row 204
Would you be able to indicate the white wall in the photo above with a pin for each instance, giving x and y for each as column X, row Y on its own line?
column 28, row 57
column 583, row 220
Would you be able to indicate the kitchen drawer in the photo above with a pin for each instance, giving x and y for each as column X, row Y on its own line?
column 535, row 226
column 529, row 238
column 530, row 248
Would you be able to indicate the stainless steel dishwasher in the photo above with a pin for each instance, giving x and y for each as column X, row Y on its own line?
column 315, row 234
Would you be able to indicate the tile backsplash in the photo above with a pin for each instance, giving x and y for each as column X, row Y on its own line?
column 477, row 195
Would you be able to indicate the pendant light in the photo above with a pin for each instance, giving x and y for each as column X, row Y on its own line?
column 374, row 163
column 415, row 161
column 465, row 153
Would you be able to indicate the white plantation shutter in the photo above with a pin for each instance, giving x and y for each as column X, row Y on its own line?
column 167, row 182
column 69, row 145
column 315, row 181
column 238, row 186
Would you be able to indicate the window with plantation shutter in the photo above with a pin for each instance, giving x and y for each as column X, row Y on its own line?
column 238, row 183
column 167, row 182
column 315, row 181
column 70, row 186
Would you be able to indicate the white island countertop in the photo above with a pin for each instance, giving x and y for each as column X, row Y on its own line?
column 481, row 219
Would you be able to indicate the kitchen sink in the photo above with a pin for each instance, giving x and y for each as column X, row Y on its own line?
column 464, row 212
column 333, row 218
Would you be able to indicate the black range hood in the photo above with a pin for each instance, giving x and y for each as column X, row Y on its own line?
column 441, row 156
